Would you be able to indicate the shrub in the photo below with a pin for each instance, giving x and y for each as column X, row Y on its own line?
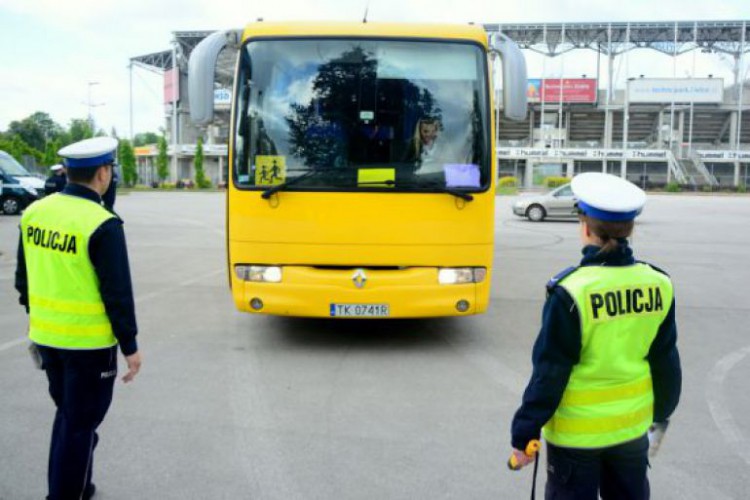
column 742, row 188
column 127, row 163
column 200, row 175
column 707, row 188
column 553, row 182
column 162, row 160
column 673, row 187
column 508, row 181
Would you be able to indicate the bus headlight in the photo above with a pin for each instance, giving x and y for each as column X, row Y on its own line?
column 261, row 274
column 461, row 275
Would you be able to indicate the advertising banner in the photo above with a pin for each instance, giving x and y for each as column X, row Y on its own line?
column 171, row 86
column 682, row 90
column 574, row 90
column 534, row 90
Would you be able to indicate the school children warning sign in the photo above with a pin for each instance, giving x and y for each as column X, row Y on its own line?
column 270, row 170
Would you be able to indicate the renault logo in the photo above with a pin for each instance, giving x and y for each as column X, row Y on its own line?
column 359, row 278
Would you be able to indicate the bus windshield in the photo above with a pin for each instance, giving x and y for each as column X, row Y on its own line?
column 360, row 114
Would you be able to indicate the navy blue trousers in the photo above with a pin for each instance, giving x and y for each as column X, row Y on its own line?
column 81, row 385
column 616, row 473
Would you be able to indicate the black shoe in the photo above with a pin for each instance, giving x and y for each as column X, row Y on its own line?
column 89, row 492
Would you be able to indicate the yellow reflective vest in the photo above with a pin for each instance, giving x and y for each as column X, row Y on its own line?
column 609, row 397
column 65, row 306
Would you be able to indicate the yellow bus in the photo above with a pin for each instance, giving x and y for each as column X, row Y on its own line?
column 362, row 165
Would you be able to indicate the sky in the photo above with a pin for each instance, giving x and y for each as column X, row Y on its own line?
column 70, row 58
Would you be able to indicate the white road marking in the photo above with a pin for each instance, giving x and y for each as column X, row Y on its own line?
column 194, row 279
column 138, row 299
column 717, row 404
column 12, row 343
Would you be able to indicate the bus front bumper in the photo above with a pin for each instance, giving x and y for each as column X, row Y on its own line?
column 361, row 293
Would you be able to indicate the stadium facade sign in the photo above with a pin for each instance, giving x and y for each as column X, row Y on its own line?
column 683, row 90
column 183, row 149
column 712, row 155
column 583, row 154
column 222, row 97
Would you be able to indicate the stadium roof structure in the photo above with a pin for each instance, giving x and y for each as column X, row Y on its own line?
column 613, row 38
column 554, row 39
column 185, row 42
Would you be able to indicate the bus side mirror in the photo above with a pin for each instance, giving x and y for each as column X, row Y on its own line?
column 514, row 77
column 201, row 74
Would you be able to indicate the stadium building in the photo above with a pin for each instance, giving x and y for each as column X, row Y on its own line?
column 693, row 130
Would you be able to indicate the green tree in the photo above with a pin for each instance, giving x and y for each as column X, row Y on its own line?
column 127, row 162
column 79, row 130
column 162, row 161
column 36, row 130
column 18, row 149
column 200, row 175
column 145, row 138
column 50, row 153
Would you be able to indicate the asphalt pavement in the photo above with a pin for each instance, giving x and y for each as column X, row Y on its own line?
column 234, row 406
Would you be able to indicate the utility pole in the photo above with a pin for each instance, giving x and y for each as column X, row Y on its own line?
column 130, row 102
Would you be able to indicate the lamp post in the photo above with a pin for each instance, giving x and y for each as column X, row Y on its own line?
column 90, row 104
column 625, row 123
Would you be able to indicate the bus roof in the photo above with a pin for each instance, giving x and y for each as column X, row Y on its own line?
column 473, row 33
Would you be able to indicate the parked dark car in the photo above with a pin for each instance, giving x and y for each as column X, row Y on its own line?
column 18, row 187
column 14, row 196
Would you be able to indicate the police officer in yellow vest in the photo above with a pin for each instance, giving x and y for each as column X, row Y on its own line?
column 606, row 366
column 74, row 279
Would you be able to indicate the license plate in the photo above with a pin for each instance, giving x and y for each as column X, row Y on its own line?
column 360, row 310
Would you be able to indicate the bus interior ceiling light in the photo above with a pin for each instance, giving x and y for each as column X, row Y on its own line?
column 460, row 275
column 262, row 274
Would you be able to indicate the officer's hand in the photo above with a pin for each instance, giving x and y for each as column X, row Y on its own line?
column 134, row 366
column 521, row 459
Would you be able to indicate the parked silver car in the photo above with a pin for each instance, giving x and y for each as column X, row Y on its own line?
column 559, row 202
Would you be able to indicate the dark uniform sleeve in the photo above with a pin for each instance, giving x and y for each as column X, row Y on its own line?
column 666, row 372
column 22, row 284
column 556, row 350
column 109, row 255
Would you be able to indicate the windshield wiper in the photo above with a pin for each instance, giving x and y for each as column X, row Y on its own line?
column 443, row 189
column 410, row 184
column 279, row 187
column 388, row 182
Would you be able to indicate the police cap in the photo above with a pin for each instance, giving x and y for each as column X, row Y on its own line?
column 57, row 167
column 92, row 152
column 607, row 197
